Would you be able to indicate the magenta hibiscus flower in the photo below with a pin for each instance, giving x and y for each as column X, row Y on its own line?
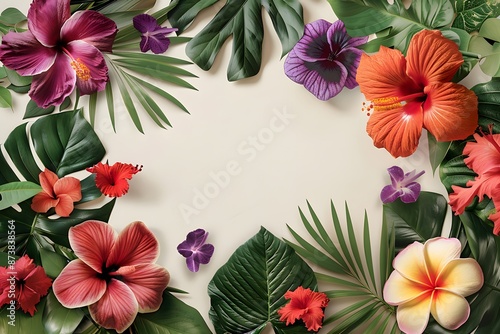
column 325, row 59
column 115, row 276
column 60, row 51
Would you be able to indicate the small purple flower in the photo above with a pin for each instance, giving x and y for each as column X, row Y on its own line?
column 325, row 59
column 154, row 37
column 195, row 250
column 403, row 186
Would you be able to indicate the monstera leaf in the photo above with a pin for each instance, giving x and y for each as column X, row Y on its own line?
column 472, row 13
column 64, row 143
column 248, row 290
column 243, row 20
column 393, row 23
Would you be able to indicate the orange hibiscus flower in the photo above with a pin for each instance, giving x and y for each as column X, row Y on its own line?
column 414, row 93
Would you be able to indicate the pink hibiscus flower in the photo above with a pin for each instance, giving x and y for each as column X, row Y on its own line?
column 60, row 51
column 115, row 276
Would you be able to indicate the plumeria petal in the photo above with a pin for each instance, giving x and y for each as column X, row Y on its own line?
column 117, row 308
column 91, row 27
column 78, row 285
column 135, row 245
column 399, row 290
column 47, row 181
column 42, row 202
column 413, row 316
column 92, row 242
column 450, row 111
column 93, row 72
column 410, row 263
column 461, row 276
column 45, row 19
column 54, row 85
column 449, row 309
column 147, row 282
column 438, row 252
column 395, row 130
column 24, row 54
column 432, row 58
column 65, row 205
column 69, row 186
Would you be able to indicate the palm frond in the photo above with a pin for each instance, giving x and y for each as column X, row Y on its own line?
column 348, row 265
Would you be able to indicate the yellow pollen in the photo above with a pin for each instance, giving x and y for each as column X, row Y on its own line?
column 384, row 103
column 82, row 71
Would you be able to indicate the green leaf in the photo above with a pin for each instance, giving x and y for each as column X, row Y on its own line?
column 241, row 19
column 437, row 151
column 247, row 291
column 16, row 192
column 33, row 110
column 5, row 98
column 12, row 16
column 22, row 323
column 418, row 221
column 16, row 79
column 19, row 89
column 58, row 319
column 52, row 262
column 394, row 24
column 487, row 45
column 470, row 14
column 186, row 11
column 173, row 317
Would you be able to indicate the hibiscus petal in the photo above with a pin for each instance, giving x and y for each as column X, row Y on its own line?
column 432, row 58
column 69, row 186
column 462, row 276
column 413, row 316
column 24, row 54
column 42, row 202
column 450, row 310
column 117, row 308
column 78, row 285
column 410, row 263
column 483, row 154
column 38, row 281
column 395, row 130
column 92, row 63
column 91, row 27
column 314, row 45
column 399, row 290
column 92, row 242
column 147, row 282
column 460, row 198
column 52, row 87
column 23, row 267
column 387, row 69
column 27, row 299
column 65, row 205
column 450, row 111
column 135, row 245
column 45, row 19
column 438, row 252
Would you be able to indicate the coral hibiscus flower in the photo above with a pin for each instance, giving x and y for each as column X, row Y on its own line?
column 23, row 283
column 57, row 193
column 115, row 276
column 414, row 93
column 112, row 180
column 60, row 51
column 484, row 159
column 306, row 305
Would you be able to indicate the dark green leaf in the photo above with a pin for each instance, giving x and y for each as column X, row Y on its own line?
column 19, row 89
column 186, row 11
column 65, row 104
column 58, row 319
column 16, row 192
column 247, row 291
column 472, row 13
column 393, row 23
column 52, row 262
column 437, row 151
column 33, row 110
column 241, row 19
column 173, row 317
column 22, row 323
column 417, row 221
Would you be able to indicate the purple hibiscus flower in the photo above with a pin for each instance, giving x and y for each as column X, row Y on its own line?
column 195, row 250
column 154, row 37
column 325, row 59
column 60, row 51
column 402, row 186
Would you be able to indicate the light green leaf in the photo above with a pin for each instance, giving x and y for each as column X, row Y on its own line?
column 12, row 16
column 393, row 23
column 5, row 98
column 470, row 14
column 491, row 54
column 241, row 19
column 247, row 291
column 52, row 262
column 16, row 79
column 173, row 317
column 16, row 192
column 437, row 151
column 58, row 319
column 3, row 73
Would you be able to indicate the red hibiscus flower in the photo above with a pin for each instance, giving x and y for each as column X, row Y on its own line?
column 306, row 305
column 115, row 276
column 112, row 180
column 30, row 282
column 57, row 193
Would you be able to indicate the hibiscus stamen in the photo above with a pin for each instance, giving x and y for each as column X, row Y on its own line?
column 82, row 71
column 392, row 102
